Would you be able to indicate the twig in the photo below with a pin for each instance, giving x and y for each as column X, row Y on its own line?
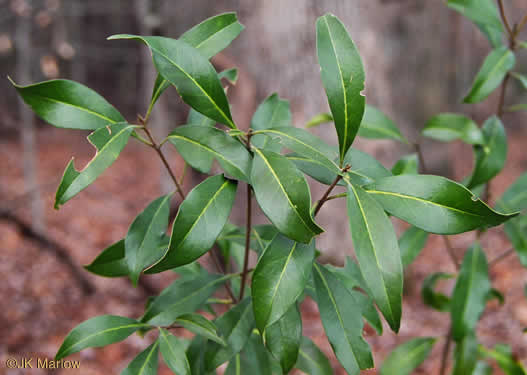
column 504, row 18
column 325, row 197
column 451, row 252
column 156, row 147
column 501, row 257
column 417, row 147
column 247, row 229
column 61, row 253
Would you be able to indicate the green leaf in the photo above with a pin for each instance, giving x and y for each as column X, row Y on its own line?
column 417, row 198
column 312, row 168
column 408, row 356
column 350, row 276
column 145, row 235
column 343, row 78
column 504, row 357
column 196, row 118
column 365, row 169
column 432, row 298
column 408, row 164
column 68, row 104
column 214, row 34
column 484, row 14
column 522, row 78
column 447, row 127
column 273, row 112
column 411, row 243
column 378, row 254
column 515, row 197
column 235, row 326
column 110, row 262
column 491, row 74
column 145, row 363
column 516, row 107
column 173, row 353
column 200, row 326
column 98, row 331
column 306, row 144
column 319, row 119
column 280, row 278
column 341, row 317
column 516, row 230
column 190, row 71
column 198, row 223
column 183, row 296
column 196, row 356
column 377, row 125
column 491, row 156
column 209, row 37
column 109, row 142
column 311, row 360
column 482, row 369
column 470, row 293
column 230, row 75
column 283, row 194
column 254, row 359
column 160, row 85
column 283, row 337
column 205, row 140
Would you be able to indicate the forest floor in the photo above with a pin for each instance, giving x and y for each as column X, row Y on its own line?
column 41, row 301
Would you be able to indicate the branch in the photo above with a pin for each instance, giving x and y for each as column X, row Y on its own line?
column 446, row 351
column 504, row 17
column 451, row 252
column 247, row 229
column 501, row 257
column 326, row 197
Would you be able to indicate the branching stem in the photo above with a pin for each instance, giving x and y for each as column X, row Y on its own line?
column 325, row 197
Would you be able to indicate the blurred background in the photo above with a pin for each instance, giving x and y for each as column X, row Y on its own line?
column 420, row 59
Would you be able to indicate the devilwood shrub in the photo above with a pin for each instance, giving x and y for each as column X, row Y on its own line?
column 261, row 332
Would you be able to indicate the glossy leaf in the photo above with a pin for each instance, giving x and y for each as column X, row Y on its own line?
column 110, row 262
column 377, row 125
column 200, row 326
column 283, row 194
column 254, row 359
column 312, row 360
column 69, row 104
column 504, row 357
column 515, row 197
column 306, row 144
column 280, row 278
column 350, row 276
column 199, row 221
column 283, row 338
column 365, row 169
column 196, row 355
column 411, row 243
column 109, row 142
column 343, row 78
column 145, row 363
column 321, row 118
column 99, row 331
column 312, row 168
column 378, row 254
column 448, row 127
column 205, row 140
column 484, row 14
column 272, row 112
column 491, row 156
column 408, row 164
column 190, row 71
column 183, row 296
column 214, row 34
column 160, row 85
column 341, row 317
column 408, row 356
column 209, row 37
column 432, row 298
column 470, row 293
column 173, row 353
column 196, row 118
column 522, row 78
column 145, row 236
column 230, row 75
column 235, row 326
column 417, row 198
column 491, row 74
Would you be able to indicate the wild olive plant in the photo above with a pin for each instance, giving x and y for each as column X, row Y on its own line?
column 261, row 331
